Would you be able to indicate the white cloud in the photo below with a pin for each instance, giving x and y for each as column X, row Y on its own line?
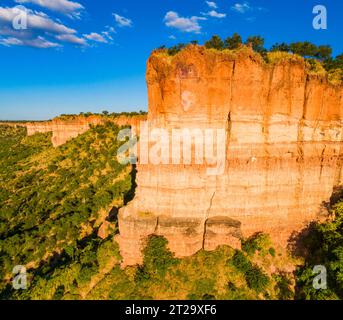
column 108, row 33
column 241, row 7
column 35, row 20
column 172, row 37
column 212, row 4
column 7, row 31
column 71, row 39
column 96, row 37
column 39, row 25
column 69, row 8
column 215, row 14
column 246, row 7
column 39, row 42
column 45, row 32
column 173, row 20
column 11, row 42
column 122, row 21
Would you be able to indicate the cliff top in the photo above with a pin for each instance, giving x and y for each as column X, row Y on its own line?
column 268, row 60
column 87, row 117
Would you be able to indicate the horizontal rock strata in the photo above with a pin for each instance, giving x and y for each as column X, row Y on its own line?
column 64, row 130
column 283, row 146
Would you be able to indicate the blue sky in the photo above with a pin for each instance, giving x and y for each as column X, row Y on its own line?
column 87, row 55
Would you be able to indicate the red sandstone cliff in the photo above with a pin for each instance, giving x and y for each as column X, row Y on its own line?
column 65, row 129
column 283, row 144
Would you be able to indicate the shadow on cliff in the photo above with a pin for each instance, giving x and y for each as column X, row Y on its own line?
column 131, row 193
column 302, row 243
column 336, row 196
column 128, row 196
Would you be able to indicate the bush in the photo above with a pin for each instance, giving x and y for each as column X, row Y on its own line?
column 336, row 76
column 272, row 252
column 257, row 279
column 176, row 49
column 157, row 258
column 283, row 287
column 315, row 67
column 260, row 242
column 280, row 56
column 241, row 262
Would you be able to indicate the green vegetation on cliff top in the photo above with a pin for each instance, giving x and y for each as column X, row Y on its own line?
column 319, row 59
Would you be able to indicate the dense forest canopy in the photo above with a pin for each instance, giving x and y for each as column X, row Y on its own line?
column 51, row 200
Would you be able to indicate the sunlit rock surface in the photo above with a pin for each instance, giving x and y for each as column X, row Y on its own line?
column 283, row 134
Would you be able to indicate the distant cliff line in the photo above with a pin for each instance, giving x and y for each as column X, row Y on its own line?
column 66, row 127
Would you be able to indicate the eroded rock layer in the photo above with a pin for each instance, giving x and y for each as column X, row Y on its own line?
column 283, row 146
column 64, row 130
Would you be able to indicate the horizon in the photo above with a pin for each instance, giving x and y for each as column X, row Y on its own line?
column 90, row 57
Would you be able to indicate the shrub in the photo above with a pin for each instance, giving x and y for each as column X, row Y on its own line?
column 241, row 262
column 283, row 287
column 272, row 252
column 259, row 241
column 280, row 56
column 336, row 76
column 257, row 279
column 157, row 257
column 176, row 49
column 315, row 67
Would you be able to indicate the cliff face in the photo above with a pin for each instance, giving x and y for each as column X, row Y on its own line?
column 283, row 138
column 65, row 129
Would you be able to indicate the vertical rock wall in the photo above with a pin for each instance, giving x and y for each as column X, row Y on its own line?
column 283, row 134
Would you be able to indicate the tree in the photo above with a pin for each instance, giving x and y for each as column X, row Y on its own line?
column 233, row 42
column 334, row 63
column 324, row 53
column 157, row 257
column 305, row 49
column 280, row 47
column 324, row 242
column 105, row 113
column 339, row 58
column 257, row 43
column 215, row 43
column 175, row 49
